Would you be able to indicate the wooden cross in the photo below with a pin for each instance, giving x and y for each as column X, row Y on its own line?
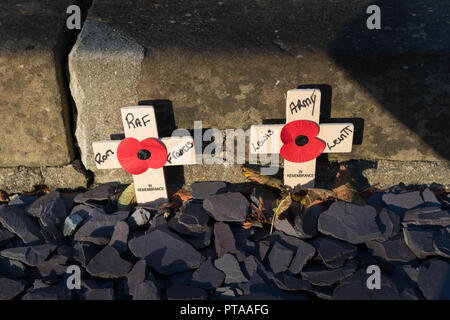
column 140, row 123
column 301, row 104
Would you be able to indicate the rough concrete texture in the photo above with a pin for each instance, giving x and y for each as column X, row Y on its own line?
column 104, row 70
column 230, row 64
column 23, row 179
column 34, row 112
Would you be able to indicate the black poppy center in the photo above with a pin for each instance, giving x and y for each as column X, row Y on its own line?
column 301, row 140
column 143, row 154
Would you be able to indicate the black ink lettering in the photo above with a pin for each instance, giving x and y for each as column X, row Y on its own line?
column 145, row 121
column 130, row 121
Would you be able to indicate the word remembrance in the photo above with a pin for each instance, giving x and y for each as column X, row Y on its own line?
column 143, row 155
column 302, row 139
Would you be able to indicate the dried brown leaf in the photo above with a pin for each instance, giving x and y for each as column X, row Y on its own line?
column 269, row 181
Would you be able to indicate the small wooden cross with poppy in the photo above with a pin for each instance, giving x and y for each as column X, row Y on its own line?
column 143, row 155
column 302, row 139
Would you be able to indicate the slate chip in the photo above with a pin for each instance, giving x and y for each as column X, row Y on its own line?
column 119, row 239
column 289, row 282
column 427, row 216
column 84, row 252
column 99, row 228
column 10, row 288
column 52, row 268
column 183, row 292
column 50, row 209
column 165, row 251
column 441, row 243
column 5, row 236
column 103, row 192
column 280, row 258
column 430, row 199
column 200, row 241
column 227, row 207
column 108, row 264
column 333, row 252
column 306, row 222
column 225, row 242
column 137, row 275
column 207, row 276
column 355, row 288
column 319, row 275
column 401, row 202
column 31, row 256
column 229, row 265
column 71, row 223
column 434, row 280
column 269, row 197
column 139, row 217
column 420, row 240
column 393, row 250
column 390, row 224
column 53, row 235
column 16, row 221
column 56, row 292
column 12, row 268
column 350, row 222
column 202, row 190
column 146, row 290
column 22, row 201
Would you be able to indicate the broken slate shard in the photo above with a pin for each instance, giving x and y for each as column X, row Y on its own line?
column 165, row 251
column 16, row 221
column 207, row 276
column 50, row 209
column 289, row 282
column 227, row 207
column 137, row 275
column 350, row 222
column 280, row 258
column 32, row 255
column 420, row 240
column 10, row 288
column 427, row 216
column 83, row 253
column 269, row 198
column 392, row 250
column 11, row 268
column 229, row 265
column 225, row 242
column 71, row 224
column 108, row 264
column 401, row 202
column 434, row 279
column 119, row 239
column 146, row 290
column 430, row 199
column 355, row 288
column 5, row 236
column 441, row 243
column 334, row 252
column 319, row 275
column 389, row 222
column 192, row 220
column 101, row 193
column 56, row 292
column 138, row 218
column 202, row 190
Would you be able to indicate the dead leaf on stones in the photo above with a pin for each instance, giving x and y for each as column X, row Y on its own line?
column 269, row 181
column 281, row 207
column 38, row 192
column 127, row 199
column 312, row 196
column 344, row 187
column 256, row 216
column 4, row 196
column 182, row 194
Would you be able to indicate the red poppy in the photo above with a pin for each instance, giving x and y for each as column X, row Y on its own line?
column 136, row 156
column 300, row 142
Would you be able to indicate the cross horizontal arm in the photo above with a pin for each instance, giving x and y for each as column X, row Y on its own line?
column 180, row 151
column 265, row 138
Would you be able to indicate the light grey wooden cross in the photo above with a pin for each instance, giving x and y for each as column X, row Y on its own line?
column 301, row 104
column 139, row 122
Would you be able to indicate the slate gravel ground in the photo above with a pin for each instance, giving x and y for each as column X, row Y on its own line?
column 202, row 251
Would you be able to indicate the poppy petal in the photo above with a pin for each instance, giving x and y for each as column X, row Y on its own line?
column 127, row 156
column 290, row 151
column 158, row 152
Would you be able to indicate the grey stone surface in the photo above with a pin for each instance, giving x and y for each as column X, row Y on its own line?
column 333, row 252
column 165, row 252
column 433, row 280
column 225, row 242
column 32, row 256
column 420, row 240
column 290, row 282
column 428, row 216
column 108, row 264
column 104, row 73
column 394, row 250
column 20, row 179
column 69, row 177
column 279, row 258
column 35, row 116
column 146, row 290
column 400, row 202
column 349, row 222
column 441, row 243
column 191, row 220
column 16, row 221
column 229, row 265
column 202, row 190
column 389, row 222
column 207, row 276
column 10, row 288
column 11, row 268
column 227, row 207
column 138, row 218
column 56, row 292
column 119, row 238
column 320, row 275
column 137, row 275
